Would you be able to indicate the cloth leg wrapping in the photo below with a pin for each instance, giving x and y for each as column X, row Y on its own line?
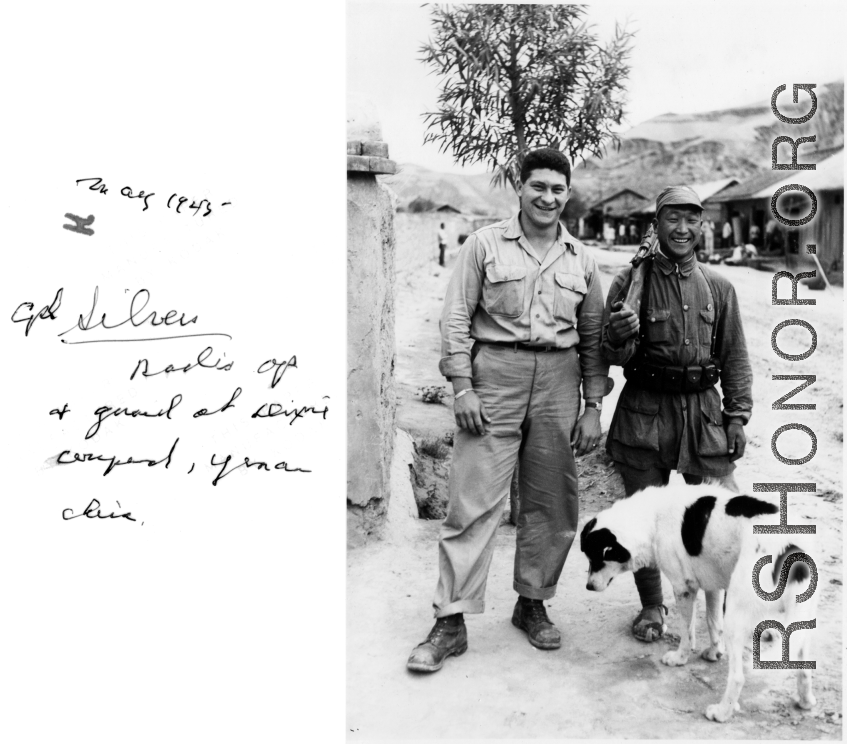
column 648, row 580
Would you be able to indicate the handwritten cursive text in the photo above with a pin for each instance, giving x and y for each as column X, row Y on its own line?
column 92, row 511
column 201, row 362
column 248, row 463
column 105, row 412
column 112, row 460
column 46, row 313
column 136, row 308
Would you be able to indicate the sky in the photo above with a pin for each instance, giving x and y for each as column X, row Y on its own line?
column 687, row 57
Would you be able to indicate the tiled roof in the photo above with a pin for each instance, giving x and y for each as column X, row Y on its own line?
column 746, row 189
column 753, row 187
column 827, row 176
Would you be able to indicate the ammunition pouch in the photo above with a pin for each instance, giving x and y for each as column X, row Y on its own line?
column 672, row 379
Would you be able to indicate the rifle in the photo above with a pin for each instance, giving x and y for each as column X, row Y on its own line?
column 649, row 246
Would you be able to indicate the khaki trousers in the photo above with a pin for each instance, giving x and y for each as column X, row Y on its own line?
column 533, row 400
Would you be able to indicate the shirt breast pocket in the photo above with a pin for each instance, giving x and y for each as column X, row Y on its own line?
column 658, row 325
column 570, row 291
column 503, row 290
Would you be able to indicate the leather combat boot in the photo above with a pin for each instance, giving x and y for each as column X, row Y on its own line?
column 530, row 616
column 445, row 638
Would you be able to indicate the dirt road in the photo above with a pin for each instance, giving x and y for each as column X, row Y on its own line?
column 601, row 683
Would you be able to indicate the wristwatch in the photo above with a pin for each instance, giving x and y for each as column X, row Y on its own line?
column 598, row 406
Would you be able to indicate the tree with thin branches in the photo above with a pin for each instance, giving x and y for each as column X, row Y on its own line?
column 517, row 77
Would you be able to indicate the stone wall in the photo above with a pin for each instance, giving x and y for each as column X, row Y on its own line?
column 371, row 400
column 417, row 236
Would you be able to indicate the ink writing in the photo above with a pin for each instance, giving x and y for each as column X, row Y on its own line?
column 225, row 470
column 127, row 192
column 48, row 312
column 92, row 511
column 136, row 307
column 174, row 202
column 272, row 410
column 105, row 412
column 67, row 458
column 277, row 367
column 202, row 357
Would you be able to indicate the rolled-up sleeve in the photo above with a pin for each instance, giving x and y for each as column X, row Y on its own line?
column 736, row 372
column 618, row 355
column 460, row 302
column 589, row 326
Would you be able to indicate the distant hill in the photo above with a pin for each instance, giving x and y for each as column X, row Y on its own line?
column 694, row 148
column 470, row 194
column 665, row 150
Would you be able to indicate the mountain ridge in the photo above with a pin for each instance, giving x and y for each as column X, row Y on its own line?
column 665, row 150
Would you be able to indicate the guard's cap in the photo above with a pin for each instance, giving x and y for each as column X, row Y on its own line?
column 677, row 195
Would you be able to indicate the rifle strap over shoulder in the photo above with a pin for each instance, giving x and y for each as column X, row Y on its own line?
column 714, row 294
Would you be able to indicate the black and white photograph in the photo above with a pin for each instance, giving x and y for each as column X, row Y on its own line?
column 594, row 371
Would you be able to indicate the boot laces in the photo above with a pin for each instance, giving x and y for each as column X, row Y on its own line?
column 438, row 632
column 535, row 612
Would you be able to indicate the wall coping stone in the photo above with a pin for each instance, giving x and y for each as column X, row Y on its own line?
column 369, row 157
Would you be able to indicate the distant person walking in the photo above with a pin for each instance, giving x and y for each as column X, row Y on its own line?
column 633, row 233
column 621, row 234
column 442, row 244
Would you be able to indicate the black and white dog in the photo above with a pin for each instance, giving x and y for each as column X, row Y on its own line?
column 701, row 537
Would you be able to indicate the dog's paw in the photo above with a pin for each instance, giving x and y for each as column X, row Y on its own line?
column 675, row 658
column 713, row 653
column 720, row 712
column 806, row 702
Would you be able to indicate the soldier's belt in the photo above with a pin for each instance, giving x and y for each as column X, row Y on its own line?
column 671, row 379
column 523, row 347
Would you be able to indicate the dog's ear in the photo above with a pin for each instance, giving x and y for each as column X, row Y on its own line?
column 585, row 530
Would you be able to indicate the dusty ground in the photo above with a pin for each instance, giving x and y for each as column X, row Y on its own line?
column 601, row 683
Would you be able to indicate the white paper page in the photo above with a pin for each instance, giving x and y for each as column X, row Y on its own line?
column 198, row 602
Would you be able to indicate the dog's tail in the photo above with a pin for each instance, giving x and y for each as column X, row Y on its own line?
column 797, row 573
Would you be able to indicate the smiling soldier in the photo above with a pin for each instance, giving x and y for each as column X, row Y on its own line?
column 687, row 337
column 520, row 333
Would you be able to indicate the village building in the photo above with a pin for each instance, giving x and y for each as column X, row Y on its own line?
column 748, row 204
column 630, row 208
column 622, row 207
column 741, row 207
column 826, row 230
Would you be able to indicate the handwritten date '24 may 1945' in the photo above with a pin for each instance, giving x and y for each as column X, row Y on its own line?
column 174, row 202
